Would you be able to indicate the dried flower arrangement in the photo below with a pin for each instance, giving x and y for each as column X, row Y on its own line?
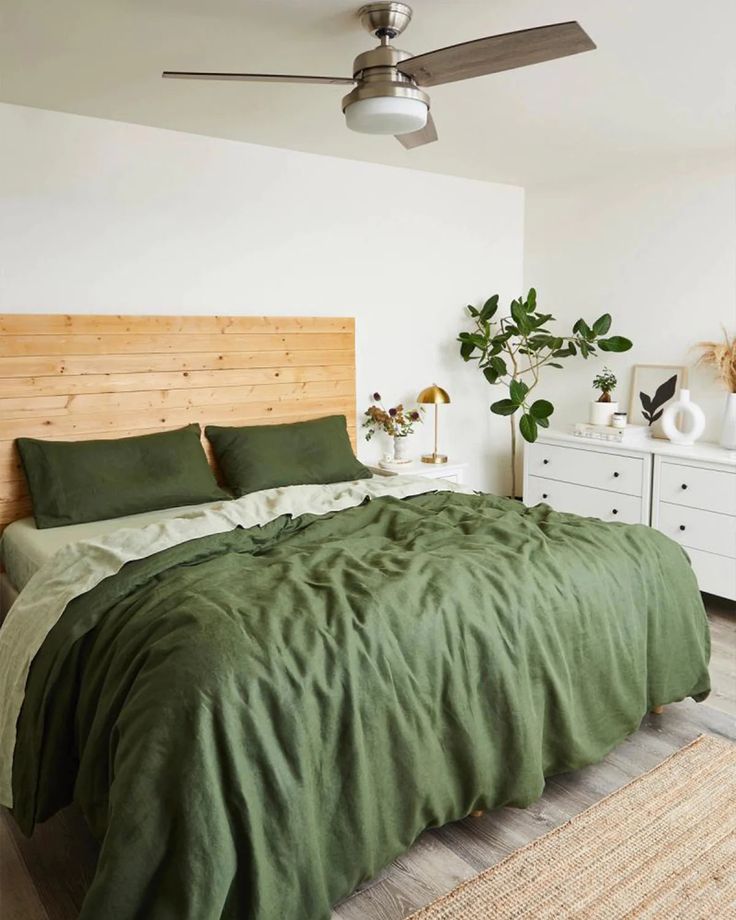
column 721, row 356
column 396, row 421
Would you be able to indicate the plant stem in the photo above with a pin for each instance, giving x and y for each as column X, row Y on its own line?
column 512, row 420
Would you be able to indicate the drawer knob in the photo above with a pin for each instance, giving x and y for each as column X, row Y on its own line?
column 545, row 462
column 544, row 494
column 684, row 485
column 616, row 475
column 615, row 511
column 682, row 526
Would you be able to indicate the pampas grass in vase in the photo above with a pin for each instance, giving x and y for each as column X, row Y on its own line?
column 721, row 356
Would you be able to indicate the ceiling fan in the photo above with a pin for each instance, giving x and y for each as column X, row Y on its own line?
column 388, row 96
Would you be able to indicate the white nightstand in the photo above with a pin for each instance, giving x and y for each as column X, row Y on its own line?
column 454, row 472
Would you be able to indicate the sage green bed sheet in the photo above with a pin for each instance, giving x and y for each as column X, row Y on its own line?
column 255, row 722
column 24, row 548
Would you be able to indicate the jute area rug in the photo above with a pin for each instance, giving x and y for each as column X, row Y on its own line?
column 663, row 846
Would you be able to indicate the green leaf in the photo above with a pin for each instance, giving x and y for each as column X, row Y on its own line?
column 615, row 343
column 543, row 422
column 582, row 329
column 490, row 374
column 517, row 391
column 473, row 311
column 602, row 324
column 499, row 366
column 489, row 308
column 541, row 408
column 569, row 351
column 531, row 300
column 552, row 364
column 504, row 407
column 518, row 313
column 528, row 428
column 466, row 350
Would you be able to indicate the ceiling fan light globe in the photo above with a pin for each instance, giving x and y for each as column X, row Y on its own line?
column 386, row 115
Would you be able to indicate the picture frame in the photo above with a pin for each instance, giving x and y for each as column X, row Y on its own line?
column 652, row 390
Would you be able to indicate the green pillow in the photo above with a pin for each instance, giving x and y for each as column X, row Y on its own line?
column 266, row 456
column 72, row 482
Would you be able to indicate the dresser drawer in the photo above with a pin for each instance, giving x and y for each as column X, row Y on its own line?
column 704, row 530
column 698, row 487
column 564, row 496
column 586, row 467
column 715, row 574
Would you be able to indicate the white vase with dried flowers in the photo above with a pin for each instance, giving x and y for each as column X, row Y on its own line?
column 397, row 422
column 721, row 356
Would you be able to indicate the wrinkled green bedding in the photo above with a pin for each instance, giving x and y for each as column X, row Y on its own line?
column 254, row 722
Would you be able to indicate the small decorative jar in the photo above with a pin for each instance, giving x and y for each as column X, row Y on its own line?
column 619, row 419
column 683, row 422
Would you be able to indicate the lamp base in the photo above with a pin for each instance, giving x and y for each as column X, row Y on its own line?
column 434, row 458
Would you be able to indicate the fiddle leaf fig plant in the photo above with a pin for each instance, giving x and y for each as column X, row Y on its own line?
column 513, row 349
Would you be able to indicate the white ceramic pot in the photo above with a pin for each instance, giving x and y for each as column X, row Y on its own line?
column 728, row 426
column 683, row 422
column 601, row 413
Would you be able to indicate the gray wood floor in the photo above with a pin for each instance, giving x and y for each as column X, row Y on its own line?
column 45, row 878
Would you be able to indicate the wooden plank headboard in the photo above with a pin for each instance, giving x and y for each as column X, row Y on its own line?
column 83, row 376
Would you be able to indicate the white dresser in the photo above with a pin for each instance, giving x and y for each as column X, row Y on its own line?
column 689, row 493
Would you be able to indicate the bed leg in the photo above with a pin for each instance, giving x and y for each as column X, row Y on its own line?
column 477, row 814
column 657, row 710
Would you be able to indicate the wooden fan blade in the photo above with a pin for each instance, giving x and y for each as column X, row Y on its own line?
column 497, row 53
column 425, row 135
column 253, row 77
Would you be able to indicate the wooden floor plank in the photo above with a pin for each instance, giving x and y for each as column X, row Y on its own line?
column 19, row 898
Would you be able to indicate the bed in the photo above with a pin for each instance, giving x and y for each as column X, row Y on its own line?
column 258, row 703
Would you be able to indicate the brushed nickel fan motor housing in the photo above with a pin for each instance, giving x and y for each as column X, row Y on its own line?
column 385, row 20
column 376, row 74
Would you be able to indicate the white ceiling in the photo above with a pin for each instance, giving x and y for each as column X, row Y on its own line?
column 660, row 85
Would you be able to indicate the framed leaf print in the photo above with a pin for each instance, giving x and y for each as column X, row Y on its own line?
column 653, row 388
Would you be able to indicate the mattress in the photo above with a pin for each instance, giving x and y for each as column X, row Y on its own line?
column 24, row 548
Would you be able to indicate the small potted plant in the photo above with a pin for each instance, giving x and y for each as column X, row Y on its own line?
column 397, row 422
column 602, row 410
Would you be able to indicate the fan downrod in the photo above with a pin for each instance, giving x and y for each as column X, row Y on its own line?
column 385, row 20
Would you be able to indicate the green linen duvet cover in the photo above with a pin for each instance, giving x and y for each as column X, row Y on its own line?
column 253, row 722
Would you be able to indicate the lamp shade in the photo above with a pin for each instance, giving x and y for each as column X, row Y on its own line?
column 433, row 394
column 386, row 115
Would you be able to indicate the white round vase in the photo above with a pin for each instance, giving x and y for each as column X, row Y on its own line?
column 683, row 422
column 601, row 413
column 728, row 426
column 401, row 450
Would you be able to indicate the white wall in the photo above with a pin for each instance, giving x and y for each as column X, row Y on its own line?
column 657, row 250
column 101, row 216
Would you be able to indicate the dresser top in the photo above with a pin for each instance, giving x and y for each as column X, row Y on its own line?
column 637, row 439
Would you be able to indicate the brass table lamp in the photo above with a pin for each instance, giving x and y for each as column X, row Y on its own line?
column 434, row 395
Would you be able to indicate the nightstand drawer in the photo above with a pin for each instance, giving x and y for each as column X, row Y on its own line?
column 592, row 468
column 564, row 496
column 704, row 530
column 698, row 487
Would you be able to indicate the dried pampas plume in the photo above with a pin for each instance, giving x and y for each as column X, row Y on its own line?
column 721, row 356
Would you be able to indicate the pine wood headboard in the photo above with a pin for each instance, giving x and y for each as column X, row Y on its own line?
column 82, row 376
